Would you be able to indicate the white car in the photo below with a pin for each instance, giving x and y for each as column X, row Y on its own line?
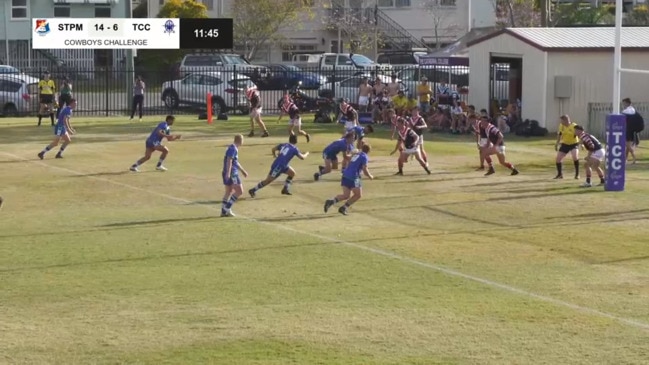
column 227, row 89
column 455, row 76
column 348, row 88
column 18, row 95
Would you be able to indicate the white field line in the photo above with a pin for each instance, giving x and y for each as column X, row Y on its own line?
column 384, row 253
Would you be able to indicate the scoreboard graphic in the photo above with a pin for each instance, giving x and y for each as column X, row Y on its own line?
column 131, row 33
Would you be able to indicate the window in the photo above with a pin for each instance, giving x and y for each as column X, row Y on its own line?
column 62, row 11
column 395, row 3
column 209, row 4
column 212, row 81
column 447, row 2
column 161, row 2
column 19, row 9
column 9, row 86
column 192, row 80
column 102, row 11
column 351, row 82
column 344, row 60
column 290, row 50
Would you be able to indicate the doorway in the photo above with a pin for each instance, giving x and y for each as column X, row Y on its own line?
column 505, row 83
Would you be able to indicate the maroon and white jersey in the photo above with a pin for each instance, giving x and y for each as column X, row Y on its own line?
column 349, row 112
column 494, row 135
column 416, row 123
column 409, row 138
column 591, row 143
column 254, row 98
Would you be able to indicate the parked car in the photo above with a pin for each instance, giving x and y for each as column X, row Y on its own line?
column 282, row 77
column 228, row 91
column 6, row 69
column 18, row 94
column 401, row 59
column 216, row 62
column 348, row 88
column 331, row 63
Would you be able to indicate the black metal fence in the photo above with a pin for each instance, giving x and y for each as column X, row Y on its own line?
column 109, row 92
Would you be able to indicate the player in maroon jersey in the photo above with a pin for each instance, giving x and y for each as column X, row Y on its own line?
column 495, row 146
column 474, row 122
column 595, row 155
column 418, row 124
column 255, row 111
column 293, row 111
column 408, row 145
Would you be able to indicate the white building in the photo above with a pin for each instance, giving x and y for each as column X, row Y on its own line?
column 402, row 23
column 556, row 71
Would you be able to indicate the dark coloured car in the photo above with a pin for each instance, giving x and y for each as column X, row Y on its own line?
column 283, row 77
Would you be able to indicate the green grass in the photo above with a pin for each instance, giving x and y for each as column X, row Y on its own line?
column 102, row 266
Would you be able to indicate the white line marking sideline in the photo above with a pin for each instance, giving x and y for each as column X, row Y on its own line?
column 427, row 265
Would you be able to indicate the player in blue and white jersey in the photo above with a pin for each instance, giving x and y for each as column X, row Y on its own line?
column 154, row 143
column 330, row 155
column 231, row 180
column 351, row 181
column 359, row 133
column 281, row 165
column 62, row 130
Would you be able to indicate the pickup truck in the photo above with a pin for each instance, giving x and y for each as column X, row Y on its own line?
column 343, row 64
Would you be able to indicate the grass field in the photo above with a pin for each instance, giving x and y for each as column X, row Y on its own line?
column 102, row 266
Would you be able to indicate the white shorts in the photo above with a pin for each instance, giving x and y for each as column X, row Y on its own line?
column 420, row 142
column 255, row 112
column 411, row 151
column 598, row 155
column 295, row 122
column 363, row 100
column 483, row 142
column 349, row 125
column 500, row 149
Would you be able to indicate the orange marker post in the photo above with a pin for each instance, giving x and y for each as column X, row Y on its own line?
column 209, row 108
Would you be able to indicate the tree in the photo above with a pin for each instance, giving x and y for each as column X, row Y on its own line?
column 182, row 9
column 441, row 19
column 358, row 26
column 638, row 16
column 154, row 60
column 574, row 14
column 258, row 22
column 517, row 13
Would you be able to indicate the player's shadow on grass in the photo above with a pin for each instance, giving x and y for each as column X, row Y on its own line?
column 600, row 214
column 168, row 256
column 158, row 221
column 104, row 173
column 576, row 191
column 295, row 218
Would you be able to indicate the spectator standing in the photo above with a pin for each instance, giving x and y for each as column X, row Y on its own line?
column 65, row 95
column 424, row 92
column 634, row 125
column 138, row 97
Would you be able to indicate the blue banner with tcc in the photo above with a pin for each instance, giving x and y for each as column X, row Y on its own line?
column 615, row 152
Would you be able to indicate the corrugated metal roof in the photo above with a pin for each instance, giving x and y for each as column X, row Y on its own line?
column 632, row 37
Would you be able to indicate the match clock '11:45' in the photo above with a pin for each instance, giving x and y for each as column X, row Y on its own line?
column 206, row 34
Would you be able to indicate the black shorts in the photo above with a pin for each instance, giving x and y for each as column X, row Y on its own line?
column 47, row 98
column 630, row 136
column 566, row 148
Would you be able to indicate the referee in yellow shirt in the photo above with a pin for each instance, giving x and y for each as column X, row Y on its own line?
column 567, row 143
column 46, row 90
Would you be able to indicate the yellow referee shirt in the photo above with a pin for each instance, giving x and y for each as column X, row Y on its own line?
column 567, row 134
column 46, row 87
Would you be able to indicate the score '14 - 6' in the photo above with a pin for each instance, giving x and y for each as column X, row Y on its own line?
column 100, row 27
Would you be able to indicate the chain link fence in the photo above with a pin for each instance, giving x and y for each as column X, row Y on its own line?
column 109, row 91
